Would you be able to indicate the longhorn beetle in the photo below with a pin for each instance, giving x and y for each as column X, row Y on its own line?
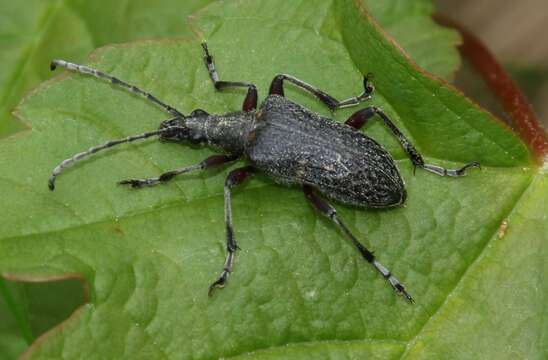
column 287, row 142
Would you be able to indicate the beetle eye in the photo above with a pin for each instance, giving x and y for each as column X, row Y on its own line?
column 198, row 112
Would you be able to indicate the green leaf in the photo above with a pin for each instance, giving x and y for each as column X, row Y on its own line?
column 28, row 309
column 298, row 289
column 410, row 23
column 36, row 31
column 499, row 307
column 33, row 32
column 15, row 334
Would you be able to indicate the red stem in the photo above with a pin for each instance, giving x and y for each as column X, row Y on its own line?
column 505, row 89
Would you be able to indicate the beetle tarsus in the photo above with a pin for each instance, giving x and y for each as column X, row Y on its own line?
column 138, row 183
column 219, row 283
column 277, row 88
column 360, row 118
column 368, row 87
column 405, row 294
column 235, row 177
column 441, row 171
column 472, row 164
column 210, row 162
column 400, row 288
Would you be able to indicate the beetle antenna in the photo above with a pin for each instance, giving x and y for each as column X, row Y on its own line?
column 115, row 81
column 92, row 150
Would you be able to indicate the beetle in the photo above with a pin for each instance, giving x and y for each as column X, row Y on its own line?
column 288, row 143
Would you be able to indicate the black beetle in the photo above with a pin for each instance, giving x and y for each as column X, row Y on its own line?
column 289, row 143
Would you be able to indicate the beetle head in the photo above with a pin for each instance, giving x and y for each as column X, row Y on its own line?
column 179, row 131
column 184, row 129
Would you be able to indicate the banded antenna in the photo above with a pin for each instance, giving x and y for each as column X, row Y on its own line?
column 92, row 150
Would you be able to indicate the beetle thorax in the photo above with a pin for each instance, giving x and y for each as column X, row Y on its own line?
column 226, row 131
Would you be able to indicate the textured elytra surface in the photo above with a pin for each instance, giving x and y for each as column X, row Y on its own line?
column 296, row 146
column 149, row 255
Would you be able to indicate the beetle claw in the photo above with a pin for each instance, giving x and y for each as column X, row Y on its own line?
column 473, row 164
column 407, row 296
column 219, row 283
column 400, row 289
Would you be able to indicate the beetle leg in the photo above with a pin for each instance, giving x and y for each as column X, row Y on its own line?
column 235, row 177
column 101, row 75
column 212, row 161
column 250, row 102
column 360, row 117
column 324, row 208
column 277, row 88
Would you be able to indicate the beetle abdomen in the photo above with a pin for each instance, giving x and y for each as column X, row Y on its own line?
column 296, row 146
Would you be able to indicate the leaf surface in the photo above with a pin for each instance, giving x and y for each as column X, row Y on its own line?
column 36, row 31
column 298, row 288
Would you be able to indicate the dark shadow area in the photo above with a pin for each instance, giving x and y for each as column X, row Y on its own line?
column 29, row 309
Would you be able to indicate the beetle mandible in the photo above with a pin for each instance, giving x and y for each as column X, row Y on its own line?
column 289, row 143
